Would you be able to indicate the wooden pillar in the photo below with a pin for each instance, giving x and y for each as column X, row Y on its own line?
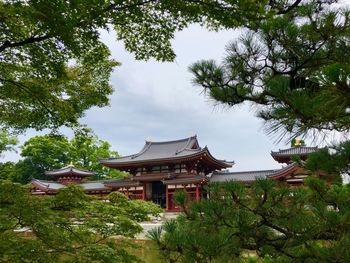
column 197, row 192
column 127, row 192
column 166, row 198
column 143, row 192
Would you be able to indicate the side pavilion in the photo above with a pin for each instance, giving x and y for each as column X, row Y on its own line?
column 293, row 173
column 66, row 176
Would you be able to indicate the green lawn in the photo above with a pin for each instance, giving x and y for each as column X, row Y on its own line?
column 147, row 251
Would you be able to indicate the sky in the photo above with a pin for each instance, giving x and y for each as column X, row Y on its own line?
column 157, row 101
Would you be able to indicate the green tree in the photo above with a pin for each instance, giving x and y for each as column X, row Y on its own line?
column 50, row 152
column 7, row 141
column 68, row 227
column 22, row 171
column 47, row 152
column 87, row 148
column 333, row 160
column 54, row 66
column 293, row 66
column 271, row 221
column 7, row 171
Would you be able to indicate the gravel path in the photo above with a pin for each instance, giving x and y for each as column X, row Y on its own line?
column 147, row 226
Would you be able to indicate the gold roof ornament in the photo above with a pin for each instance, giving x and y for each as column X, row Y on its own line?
column 71, row 164
column 298, row 142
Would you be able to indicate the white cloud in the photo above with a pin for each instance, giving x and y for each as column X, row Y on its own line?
column 158, row 100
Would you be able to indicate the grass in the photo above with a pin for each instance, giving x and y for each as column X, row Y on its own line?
column 147, row 251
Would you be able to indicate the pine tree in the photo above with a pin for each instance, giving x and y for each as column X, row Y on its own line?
column 294, row 67
column 267, row 221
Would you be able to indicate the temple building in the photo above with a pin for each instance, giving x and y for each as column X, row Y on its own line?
column 292, row 173
column 161, row 168
column 65, row 176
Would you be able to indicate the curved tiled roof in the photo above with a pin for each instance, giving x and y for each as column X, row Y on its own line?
column 153, row 151
column 299, row 150
column 250, row 176
column 285, row 170
column 53, row 186
column 47, row 185
column 69, row 171
column 160, row 150
column 285, row 155
column 155, row 177
column 189, row 180
column 245, row 176
column 94, row 185
column 122, row 183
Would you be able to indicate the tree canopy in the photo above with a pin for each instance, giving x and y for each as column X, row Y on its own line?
column 54, row 65
column 293, row 66
column 333, row 160
column 53, row 151
column 269, row 221
column 7, row 141
column 68, row 227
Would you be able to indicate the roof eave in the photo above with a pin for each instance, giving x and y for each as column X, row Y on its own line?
column 42, row 188
column 160, row 160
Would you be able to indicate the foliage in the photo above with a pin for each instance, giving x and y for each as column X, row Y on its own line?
column 7, row 141
column 293, row 66
column 54, row 65
column 22, row 171
column 7, row 171
column 47, row 151
column 138, row 210
column 334, row 160
column 86, row 148
column 275, row 222
column 67, row 227
column 52, row 151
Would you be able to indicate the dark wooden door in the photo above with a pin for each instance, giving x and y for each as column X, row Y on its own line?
column 159, row 193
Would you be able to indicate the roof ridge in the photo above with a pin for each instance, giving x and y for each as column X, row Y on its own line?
column 71, row 169
column 91, row 182
column 185, row 147
column 112, row 158
column 179, row 140
column 297, row 147
column 252, row 171
column 144, row 149
column 285, row 168
column 59, row 169
column 192, row 150
column 45, row 181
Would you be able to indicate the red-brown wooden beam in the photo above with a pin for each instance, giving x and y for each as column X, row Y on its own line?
column 144, row 192
column 167, row 198
column 197, row 192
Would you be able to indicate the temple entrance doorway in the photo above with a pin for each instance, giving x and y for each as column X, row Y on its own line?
column 159, row 194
